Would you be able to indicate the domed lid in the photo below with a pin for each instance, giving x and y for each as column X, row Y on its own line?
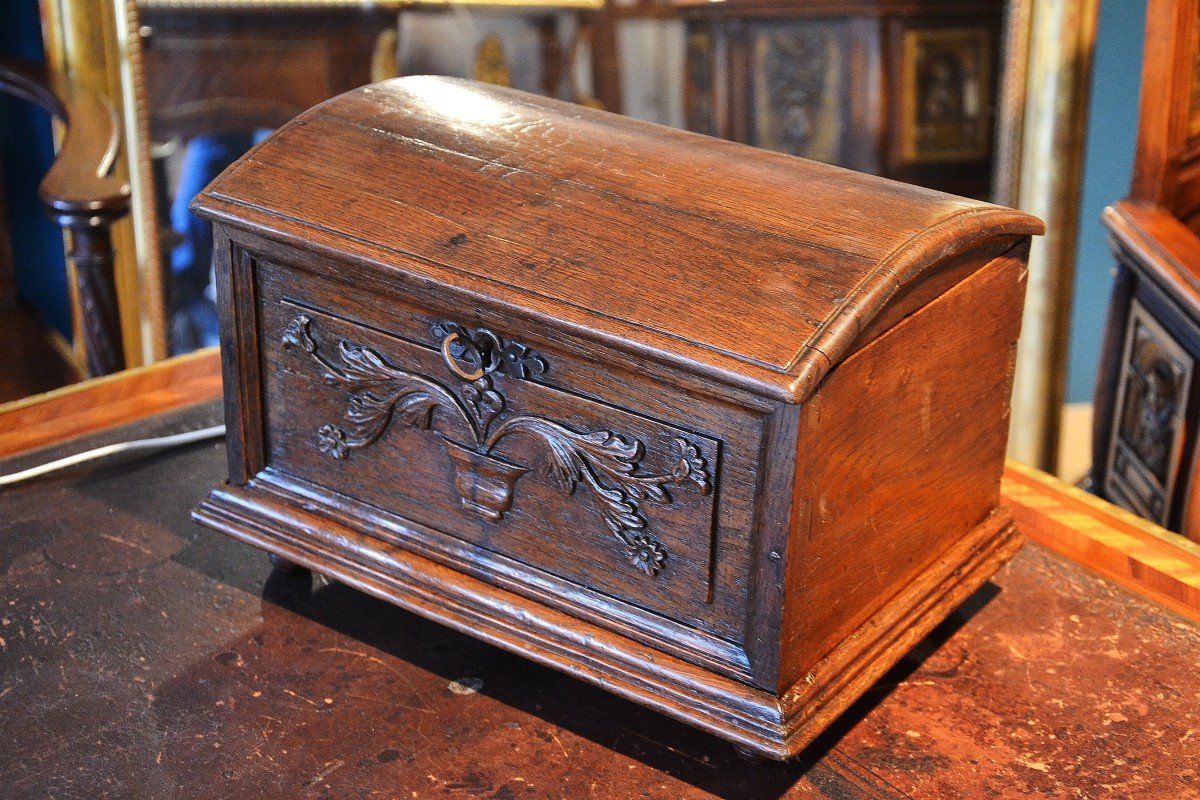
column 750, row 266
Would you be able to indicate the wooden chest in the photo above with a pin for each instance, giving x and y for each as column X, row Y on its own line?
column 718, row 429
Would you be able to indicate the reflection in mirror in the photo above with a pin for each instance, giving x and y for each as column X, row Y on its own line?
column 914, row 91
column 906, row 94
column 181, row 169
column 218, row 78
column 901, row 93
column 82, row 195
column 34, row 313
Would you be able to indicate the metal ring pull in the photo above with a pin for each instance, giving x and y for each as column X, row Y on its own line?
column 452, row 362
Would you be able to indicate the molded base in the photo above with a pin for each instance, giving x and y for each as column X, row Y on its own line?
column 755, row 720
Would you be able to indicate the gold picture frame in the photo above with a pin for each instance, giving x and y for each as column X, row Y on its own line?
column 945, row 114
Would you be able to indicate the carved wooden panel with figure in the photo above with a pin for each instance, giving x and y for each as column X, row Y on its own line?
column 1155, row 384
column 718, row 429
column 1145, row 447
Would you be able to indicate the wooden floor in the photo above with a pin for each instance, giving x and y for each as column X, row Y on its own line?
column 144, row 657
column 29, row 363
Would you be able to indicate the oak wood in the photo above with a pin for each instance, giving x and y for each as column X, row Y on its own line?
column 1168, row 62
column 724, row 429
column 606, row 68
column 884, row 417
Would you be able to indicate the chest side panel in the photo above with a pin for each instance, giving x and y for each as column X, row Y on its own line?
column 901, row 453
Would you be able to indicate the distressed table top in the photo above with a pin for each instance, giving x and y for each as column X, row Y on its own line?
column 142, row 656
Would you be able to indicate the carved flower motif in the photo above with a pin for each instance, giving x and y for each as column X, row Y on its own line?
column 691, row 466
column 332, row 440
column 484, row 400
column 604, row 463
column 521, row 362
column 297, row 334
column 647, row 554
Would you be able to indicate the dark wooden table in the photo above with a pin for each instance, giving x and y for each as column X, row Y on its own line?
column 144, row 657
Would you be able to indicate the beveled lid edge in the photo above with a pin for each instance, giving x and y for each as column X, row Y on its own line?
column 957, row 232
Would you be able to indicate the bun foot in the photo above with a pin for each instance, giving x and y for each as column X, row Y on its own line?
column 283, row 565
column 750, row 755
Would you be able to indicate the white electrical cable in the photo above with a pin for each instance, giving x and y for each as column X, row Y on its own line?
column 156, row 443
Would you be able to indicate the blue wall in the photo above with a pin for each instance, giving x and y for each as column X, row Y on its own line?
column 1112, row 129
column 26, row 151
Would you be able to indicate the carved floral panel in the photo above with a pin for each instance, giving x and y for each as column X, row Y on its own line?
column 466, row 410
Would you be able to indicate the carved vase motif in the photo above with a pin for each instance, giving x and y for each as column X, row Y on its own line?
column 484, row 482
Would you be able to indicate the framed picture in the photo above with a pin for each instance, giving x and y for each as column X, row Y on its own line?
column 946, row 98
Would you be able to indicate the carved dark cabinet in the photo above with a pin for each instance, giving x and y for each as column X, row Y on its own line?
column 905, row 90
column 213, row 68
column 1147, row 410
column 715, row 428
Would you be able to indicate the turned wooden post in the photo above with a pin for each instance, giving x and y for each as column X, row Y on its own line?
column 92, row 254
column 84, row 198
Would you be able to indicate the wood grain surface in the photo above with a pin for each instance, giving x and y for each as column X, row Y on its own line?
column 1161, row 566
column 102, row 403
column 706, row 406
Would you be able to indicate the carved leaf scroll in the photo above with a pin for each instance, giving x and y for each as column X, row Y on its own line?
column 604, row 463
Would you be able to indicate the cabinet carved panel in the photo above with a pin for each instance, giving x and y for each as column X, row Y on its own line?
column 483, row 440
column 798, row 91
column 605, row 464
column 700, row 90
column 908, row 93
column 1144, row 454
